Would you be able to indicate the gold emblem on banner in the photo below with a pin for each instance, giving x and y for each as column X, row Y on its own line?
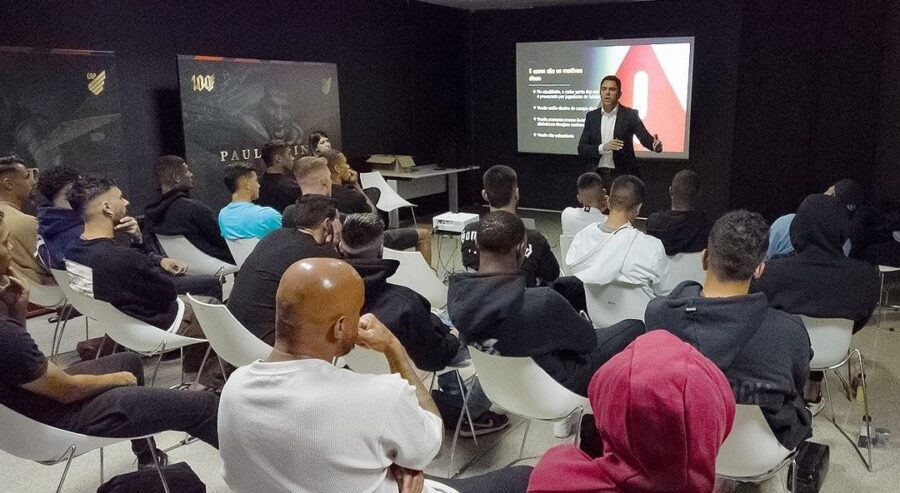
column 203, row 82
column 97, row 82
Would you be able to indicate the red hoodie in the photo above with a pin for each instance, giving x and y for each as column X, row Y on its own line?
column 663, row 411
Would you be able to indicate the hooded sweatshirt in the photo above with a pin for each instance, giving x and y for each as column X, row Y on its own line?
column 663, row 411
column 764, row 352
column 818, row 280
column 59, row 228
column 626, row 255
column 407, row 314
column 175, row 213
column 679, row 231
column 497, row 314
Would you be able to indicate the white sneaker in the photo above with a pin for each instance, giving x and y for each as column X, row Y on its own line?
column 815, row 407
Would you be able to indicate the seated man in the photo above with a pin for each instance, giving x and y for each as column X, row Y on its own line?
column 103, row 397
column 295, row 422
column 495, row 311
column 138, row 283
column 592, row 197
column 316, row 233
column 501, row 192
column 764, row 352
column 350, row 199
column 176, row 213
column 58, row 224
column 277, row 188
column 818, row 280
column 314, row 178
column 242, row 218
column 615, row 251
column 681, row 229
column 657, row 400
column 16, row 190
column 432, row 345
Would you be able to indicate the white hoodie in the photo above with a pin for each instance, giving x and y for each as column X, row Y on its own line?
column 625, row 255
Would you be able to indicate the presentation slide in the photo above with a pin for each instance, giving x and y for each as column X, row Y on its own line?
column 232, row 106
column 557, row 83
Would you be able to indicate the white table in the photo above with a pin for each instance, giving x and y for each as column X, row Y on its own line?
column 424, row 180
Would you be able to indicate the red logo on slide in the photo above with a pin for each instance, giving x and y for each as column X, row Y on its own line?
column 664, row 115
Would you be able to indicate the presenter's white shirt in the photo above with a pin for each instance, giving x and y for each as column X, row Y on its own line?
column 307, row 426
column 625, row 255
column 607, row 128
column 574, row 219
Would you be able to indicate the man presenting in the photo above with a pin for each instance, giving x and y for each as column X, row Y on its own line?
column 609, row 131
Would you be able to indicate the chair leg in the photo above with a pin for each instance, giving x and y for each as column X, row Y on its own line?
column 202, row 365
column 100, row 349
column 793, row 471
column 221, row 367
column 101, row 466
column 829, row 398
column 462, row 386
column 866, row 416
column 162, row 350
column 54, row 347
column 577, row 438
column 162, row 478
column 524, row 439
column 71, row 454
column 459, row 421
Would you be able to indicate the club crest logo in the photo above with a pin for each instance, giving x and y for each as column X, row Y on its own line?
column 97, row 82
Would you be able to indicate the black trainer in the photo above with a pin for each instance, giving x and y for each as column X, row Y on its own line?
column 485, row 424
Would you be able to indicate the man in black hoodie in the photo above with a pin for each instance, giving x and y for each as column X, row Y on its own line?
column 176, row 213
column 764, row 352
column 818, row 280
column 681, row 229
column 496, row 313
column 431, row 345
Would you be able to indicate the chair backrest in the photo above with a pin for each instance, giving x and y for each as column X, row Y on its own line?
column 179, row 248
column 829, row 338
column 564, row 243
column 685, row 267
column 362, row 360
column 415, row 274
column 228, row 337
column 520, row 386
column 751, row 448
column 46, row 295
column 62, row 281
column 26, row 438
column 609, row 304
column 389, row 200
column 241, row 249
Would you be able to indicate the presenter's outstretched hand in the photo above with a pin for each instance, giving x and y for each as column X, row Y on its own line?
column 657, row 144
column 613, row 145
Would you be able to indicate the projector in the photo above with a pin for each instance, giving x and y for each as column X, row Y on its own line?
column 453, row 222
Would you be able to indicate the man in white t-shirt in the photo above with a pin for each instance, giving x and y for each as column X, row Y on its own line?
column 615, row 250
column 592, row 197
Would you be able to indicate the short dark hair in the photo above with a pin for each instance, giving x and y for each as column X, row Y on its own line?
column 271, row 149
column 314, row 139
column 626, row 192
column 589, row 180
column 8, row 163
column 55, row 179
column 614, row 79
column 167, row 167
column 234, row 172
column 86, row 189
column 499, row 184
column 499, row 232
column 737, row 244
column 311, row 210
column 686, row 186
column 362, row 235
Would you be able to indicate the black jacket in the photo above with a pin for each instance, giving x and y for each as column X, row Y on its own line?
column 497, row 314
column 540, row 265
column 277, row 190
column 407, row 314
column 679, row 231
column 628, row 124
column 764, row 353
column 818, row 280
column 176, row 213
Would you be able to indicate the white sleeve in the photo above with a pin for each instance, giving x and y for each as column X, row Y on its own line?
column 412, row 436
column 661, row 287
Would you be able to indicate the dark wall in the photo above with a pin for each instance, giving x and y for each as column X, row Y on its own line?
column 401, row 68
column 548, row 181
column 887, row 172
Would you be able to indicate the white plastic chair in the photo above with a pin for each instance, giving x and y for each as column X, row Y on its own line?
column 522, row 387
column 752, row 453
column 415, row 274
column 28, row 439
column 884, row 294
column 178, row 247
column 230, row 340
column 52, row 297
column 684, row 267
column 830, row 341
column 241, row 249
column 609, row 304
column 390, row 200
column 564, row 243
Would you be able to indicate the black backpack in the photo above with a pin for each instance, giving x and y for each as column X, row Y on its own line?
column 180, row 478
